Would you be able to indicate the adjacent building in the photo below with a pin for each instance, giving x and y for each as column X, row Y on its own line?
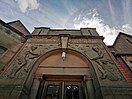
column 63, row 64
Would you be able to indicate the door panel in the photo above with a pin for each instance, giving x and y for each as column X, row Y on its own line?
column 61, row 90
column 52, row 90
column 73, row 90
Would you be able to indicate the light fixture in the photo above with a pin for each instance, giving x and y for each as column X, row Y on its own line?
column 63, row 55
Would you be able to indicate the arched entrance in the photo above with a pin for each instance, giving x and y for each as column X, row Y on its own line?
column 64, row 76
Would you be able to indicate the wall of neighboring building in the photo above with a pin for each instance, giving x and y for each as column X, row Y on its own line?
column 19, row 26
column 122, row 51
column 123, row 43
column 10, row 43
column 124, row 69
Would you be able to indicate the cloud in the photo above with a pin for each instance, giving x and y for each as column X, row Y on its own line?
column 26, row 5
column 92, row 20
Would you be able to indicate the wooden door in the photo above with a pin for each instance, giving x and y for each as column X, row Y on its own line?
column 61, row 89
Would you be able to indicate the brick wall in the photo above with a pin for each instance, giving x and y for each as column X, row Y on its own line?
column 125, row 71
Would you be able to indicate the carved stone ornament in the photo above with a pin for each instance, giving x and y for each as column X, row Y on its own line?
column 105, row 65
column 80, row 47
column 25, row 60
column 64, row 42
column 98, row 54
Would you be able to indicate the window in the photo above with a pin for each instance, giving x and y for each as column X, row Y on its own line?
column 52, row 92
column 72, row 92
column 61, row 90
column 128, row 61
column 2, row 50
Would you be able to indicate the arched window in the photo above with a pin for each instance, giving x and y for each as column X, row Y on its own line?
column 2, row 50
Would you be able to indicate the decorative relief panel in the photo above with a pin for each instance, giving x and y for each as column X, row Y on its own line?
column 24, row 61
column 105, row 66
column 96, row 53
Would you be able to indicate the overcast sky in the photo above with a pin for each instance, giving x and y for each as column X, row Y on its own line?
column 109, row 17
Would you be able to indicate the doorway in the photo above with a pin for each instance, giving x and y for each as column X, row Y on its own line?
column 61, row 88
column 63, row 79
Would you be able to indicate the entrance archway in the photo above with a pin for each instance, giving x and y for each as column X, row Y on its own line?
column 61, row 74
column 73, row 64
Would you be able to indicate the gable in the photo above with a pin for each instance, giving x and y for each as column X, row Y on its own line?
column 123, row 43
column 19, row 26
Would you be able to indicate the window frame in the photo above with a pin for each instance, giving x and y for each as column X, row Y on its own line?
column 5, row 51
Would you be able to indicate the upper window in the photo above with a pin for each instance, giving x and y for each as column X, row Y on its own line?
column 128, row 61
column 2, row 50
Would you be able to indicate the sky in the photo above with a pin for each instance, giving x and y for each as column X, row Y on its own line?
column 109, row 17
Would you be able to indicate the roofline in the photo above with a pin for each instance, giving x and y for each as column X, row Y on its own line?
column 109, row 46
column 13, row 21
column 62, row 29
column 21, row 23
column 13, row 29
column 77, row 36
column 41, row 27
column 120, row 33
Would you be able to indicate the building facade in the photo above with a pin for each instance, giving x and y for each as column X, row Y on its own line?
column 62, row 64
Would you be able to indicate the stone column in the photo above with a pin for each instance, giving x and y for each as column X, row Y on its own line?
column 35, row 86
column 90, row 88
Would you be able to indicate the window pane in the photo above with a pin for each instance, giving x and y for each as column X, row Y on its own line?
column 61, row 90
column 2, row 50
column 72, row 92
column 75, row 92
column 68, row 92
column 53, row 92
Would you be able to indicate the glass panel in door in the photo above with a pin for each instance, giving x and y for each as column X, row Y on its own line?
column 51, row 90
column 73, row 90
column 62, row 90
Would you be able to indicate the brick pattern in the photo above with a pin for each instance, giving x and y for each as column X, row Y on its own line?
column 125, row 71
column 123, row 67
